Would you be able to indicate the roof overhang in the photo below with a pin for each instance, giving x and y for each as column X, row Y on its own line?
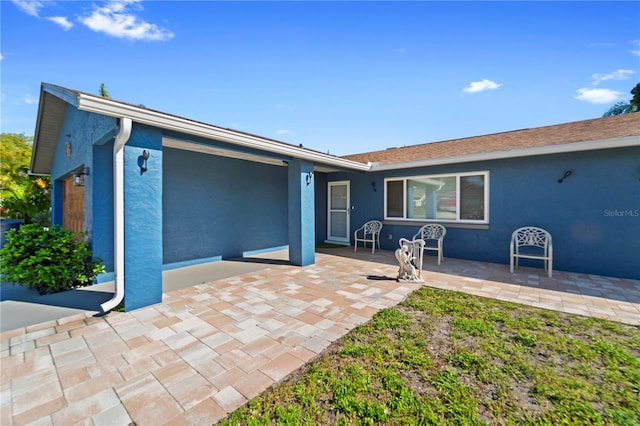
column 51, row 111
column 140, row 115
column 202, row 148
column 628, row 141
column 53, row 100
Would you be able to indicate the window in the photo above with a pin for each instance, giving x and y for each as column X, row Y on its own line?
column 461, row 197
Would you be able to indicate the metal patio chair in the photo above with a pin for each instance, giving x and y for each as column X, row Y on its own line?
column 433, row 237
column 530, row 242
column 368, row 233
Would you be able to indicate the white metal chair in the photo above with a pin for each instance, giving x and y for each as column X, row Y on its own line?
column 433, row 237
column 368, row 233
column 530, row 242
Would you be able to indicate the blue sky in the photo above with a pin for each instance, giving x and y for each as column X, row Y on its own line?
column 343, row 77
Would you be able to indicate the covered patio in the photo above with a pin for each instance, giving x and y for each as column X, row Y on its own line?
column 210, row 347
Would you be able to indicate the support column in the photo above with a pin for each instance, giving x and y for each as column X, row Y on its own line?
column 301, row 213
column 143, row 219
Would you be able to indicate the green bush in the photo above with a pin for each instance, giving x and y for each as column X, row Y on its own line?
column 48, row 259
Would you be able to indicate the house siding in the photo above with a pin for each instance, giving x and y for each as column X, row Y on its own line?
column 593, row 216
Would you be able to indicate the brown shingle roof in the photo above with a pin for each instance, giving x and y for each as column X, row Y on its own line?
column 560, row 134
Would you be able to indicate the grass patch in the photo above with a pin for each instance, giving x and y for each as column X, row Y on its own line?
column 448, row 358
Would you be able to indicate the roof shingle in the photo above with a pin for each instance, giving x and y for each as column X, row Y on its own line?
column 560, row 134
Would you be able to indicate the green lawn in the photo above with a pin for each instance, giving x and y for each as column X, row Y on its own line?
column 443, row 357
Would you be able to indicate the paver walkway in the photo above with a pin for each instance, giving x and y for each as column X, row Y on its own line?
column 208, row 349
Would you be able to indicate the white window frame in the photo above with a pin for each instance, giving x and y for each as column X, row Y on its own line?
column 484, row 173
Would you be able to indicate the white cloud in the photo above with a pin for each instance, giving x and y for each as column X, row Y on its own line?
column 62, row 21
column 636, row 51
column 30, row 100
column 33, row 7
column 481, row 86
column 615, row 75
column 116, row 20
column 598, row 96
column 30, row 7
column 283, row 132
column 1, row 56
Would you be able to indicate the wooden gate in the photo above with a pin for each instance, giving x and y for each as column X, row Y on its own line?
column 72, row 206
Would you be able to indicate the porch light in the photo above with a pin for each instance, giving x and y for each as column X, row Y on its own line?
column 145, row 157
column 78, row 176
column 566, row 175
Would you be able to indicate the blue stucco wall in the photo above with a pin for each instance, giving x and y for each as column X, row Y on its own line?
column 102, row 173
column 320, row 205
column 91, row 138
column 217, row 207
column 593, row 216
column 88, row 134
column 301, row 183
column 85, row 130
column 143, row 218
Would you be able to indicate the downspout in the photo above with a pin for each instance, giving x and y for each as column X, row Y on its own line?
column 118, row 213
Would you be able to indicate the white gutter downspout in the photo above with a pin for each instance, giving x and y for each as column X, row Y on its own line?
column 118, row 213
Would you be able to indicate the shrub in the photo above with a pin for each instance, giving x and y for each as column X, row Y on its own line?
column 48, row 259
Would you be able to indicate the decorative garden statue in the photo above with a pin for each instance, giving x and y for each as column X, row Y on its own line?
column 409, row 256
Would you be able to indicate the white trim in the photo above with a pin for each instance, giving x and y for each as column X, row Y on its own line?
column 141, row 115
column 332, row 238
column 622, row 142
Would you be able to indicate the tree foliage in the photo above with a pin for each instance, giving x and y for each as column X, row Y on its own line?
column 103, row 91
column 15, row 152
column 635, row 100
column 22, row 196
column 624, row 107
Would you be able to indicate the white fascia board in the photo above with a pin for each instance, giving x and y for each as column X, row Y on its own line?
column 104, row 106
column 628, row 141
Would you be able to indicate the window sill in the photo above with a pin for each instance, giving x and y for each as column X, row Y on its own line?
column 399, row 222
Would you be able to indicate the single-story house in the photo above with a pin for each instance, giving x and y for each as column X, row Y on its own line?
column 156, row 191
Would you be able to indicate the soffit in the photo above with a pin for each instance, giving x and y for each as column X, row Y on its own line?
column 51, row 112
column 220, row 152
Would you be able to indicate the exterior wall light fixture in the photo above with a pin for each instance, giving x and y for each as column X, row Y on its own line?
column 566, row 175
column 145, row 157
column 78, row 176
column 309, row 178
column 373, row 185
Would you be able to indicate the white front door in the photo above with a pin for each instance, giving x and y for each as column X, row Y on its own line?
column 339, row 212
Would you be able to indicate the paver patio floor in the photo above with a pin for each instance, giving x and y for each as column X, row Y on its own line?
column 208, row 349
